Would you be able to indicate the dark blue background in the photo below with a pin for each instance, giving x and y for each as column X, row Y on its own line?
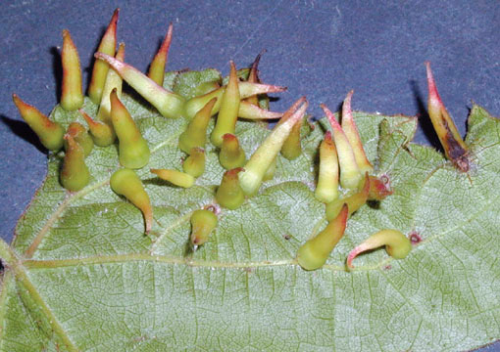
column 321, row 49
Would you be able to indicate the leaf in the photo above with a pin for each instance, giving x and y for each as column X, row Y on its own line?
column 81, row 275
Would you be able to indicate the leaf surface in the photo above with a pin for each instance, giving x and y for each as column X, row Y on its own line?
column 85, row 278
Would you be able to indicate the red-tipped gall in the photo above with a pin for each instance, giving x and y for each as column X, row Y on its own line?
column 454, row 146
column 157, row 67
column 351, row 132
column 264, row 156
column 231, row 154
column 246, row 89
column 168, row 103
column 229, row 194
column 350, row 175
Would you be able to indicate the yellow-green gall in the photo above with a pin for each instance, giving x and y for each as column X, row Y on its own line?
column 102, row 133
column 100, row 70
column 133, row 149
column 263, row 158
column 81, row 136
column 196, row 133
column 229, row 194
column 175, row 177
column 350, row 175
column 231, row 154
column 74, row 173
column 313, row 254
column 328, row 178
column 203, row 222
column 168, row 103
column 50, row 133
column 125, row 182
column 194, row 164
column 292, row 148
column 228, row 113
column 72, row 96
column 157, row 67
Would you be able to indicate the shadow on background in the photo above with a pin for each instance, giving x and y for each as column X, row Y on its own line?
column 57, row 70
column 22, row 130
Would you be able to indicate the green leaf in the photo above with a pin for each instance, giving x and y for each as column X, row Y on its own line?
column 187, row 83
column 82, row 276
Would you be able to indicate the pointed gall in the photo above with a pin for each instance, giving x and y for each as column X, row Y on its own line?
column 246, row 90
column 264, row 156
column 328, row 178
column 351, row 131
column 157, row 67
column 229, row 194
column 350, row 176
column 228, row 113
column 175, row 177
column 74, row 174
column 196, row 133
column 102, row 133
column 253, row 77
column 169, row 104
column 203, row 222
column 81, row 136
column 194, row 164
column 100, row 70
column 231, row 154
column 113, row 81
column 72, row 96
column 125, row 182
column 133, row 149
column 454, row 146
column 292, row 148
column 254, row 112
column 50, row 133
column 313, row 254
column 396, row 244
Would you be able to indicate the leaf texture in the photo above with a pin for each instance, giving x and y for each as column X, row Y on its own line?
column 86, row 278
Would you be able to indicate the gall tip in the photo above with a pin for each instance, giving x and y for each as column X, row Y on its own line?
column 431, row 83
column 229, row 137
column 234, row 172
